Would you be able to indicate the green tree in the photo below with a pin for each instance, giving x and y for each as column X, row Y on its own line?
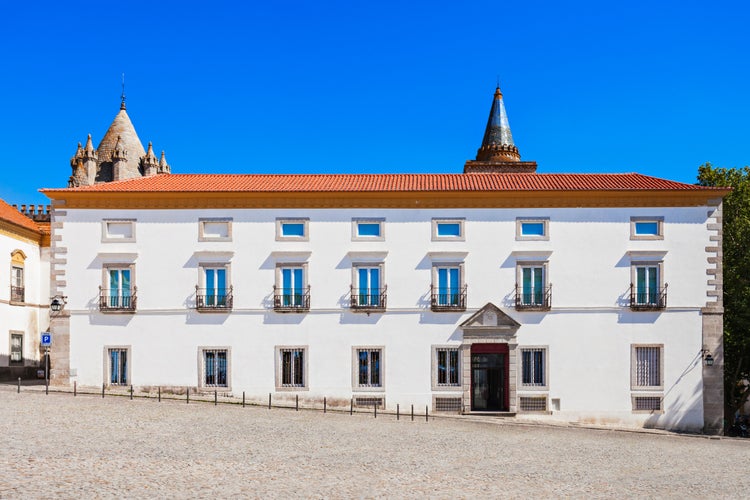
column 736, row 247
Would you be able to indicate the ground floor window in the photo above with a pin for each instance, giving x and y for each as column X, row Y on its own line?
column 118, row 366
column 447, row 366
column 292, row 367
column 215, row 367
column 16, row 347
column 369, row 368
column 534, row 366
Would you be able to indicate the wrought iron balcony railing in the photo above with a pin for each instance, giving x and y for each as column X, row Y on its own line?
column 213, row 299
column 368, row 299
column 648, row 300
column 117, row 300
column 17, row 294
column 291, row 299
column 536, row 300
column 448, row 299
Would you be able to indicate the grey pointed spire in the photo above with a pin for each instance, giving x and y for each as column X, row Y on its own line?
column 497, row 144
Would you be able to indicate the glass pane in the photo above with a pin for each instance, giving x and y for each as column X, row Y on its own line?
column 363, row 367
column 114, row 366
column 647, row 228
column 453, row 367
column 123, row 367
column 210, row 367
column 296, row 229
column 532, row 228
column 539, row 367
column 368, row 229
column 286, row 367
column 442, row 367
column 298, row 368
column 221, row 368
column 538, row 287
column 449, row 229
column 526, row 367
column 375, row 368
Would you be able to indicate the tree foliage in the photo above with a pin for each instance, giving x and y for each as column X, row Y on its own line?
column 736, row 248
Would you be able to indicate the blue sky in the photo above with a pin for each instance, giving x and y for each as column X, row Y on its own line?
column 377, row 87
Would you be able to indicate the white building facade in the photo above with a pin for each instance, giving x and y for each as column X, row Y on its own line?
column 591, row 298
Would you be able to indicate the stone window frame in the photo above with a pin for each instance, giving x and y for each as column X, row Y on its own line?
column 519, row 226
column 201, row 228
column 654, row 261
column 11, row 334
column 660, row 228
column 461, row 221
column 368, row 220
column 202, row 368
column 278, row 367
column 523, row 388
column 105, row 231
column 528, row 262
column 17, row 261
column 633, row 360
column 356, row 387
column 305, row 221
column 436, row 387
column 107, row 371
column 634, row 397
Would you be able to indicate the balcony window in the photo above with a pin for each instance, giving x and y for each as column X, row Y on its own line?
column 448, row 291
column 533, row 292
column 291, row 293
column 368, row 292
column 217, row 293
column 118, row 293
column 647, row 293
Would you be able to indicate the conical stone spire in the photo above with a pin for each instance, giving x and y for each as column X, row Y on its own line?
column 498, row 152
column 497, row 144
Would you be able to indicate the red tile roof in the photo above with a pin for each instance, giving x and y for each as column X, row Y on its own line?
column 12, row 215
column 385, row 183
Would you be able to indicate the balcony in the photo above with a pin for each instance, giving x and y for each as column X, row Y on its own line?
column 117, row 300
column 373, row 300
column 213, row 299
column 648, row 300
column 448, row 299
column 537, row 300
column 291, row 299
column 17, row 294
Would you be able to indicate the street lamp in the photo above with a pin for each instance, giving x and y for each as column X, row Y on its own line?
column 709, row 360
column 58, row 303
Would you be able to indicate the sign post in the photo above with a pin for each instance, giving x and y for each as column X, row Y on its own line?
column 46, row 343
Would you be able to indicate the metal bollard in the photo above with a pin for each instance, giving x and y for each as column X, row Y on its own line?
column 131, row 392
column 216, row 397
column 75, row 388
column 412, row 413
column 187, row 395
column 243, row 399
column 46, row 386
column 102, row 391
column 160, row 394
column 19, row 385
column 375, row 407
column 324, row 404
column 296, row 402
column 426, row 416
column 269, row 400
column 397, row 412
column 351, row 406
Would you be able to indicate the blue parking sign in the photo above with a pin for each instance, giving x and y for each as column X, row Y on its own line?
column 46, row 339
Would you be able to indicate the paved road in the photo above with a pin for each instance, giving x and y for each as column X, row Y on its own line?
column 83, row 447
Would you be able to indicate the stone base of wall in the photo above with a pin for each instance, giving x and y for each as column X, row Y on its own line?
column 713, row 376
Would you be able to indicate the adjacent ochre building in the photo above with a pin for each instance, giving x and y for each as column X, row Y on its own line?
column 575, row 297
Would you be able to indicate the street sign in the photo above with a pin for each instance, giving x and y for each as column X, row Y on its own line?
column 46, row 339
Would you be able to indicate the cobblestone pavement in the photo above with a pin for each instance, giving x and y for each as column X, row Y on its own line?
column 82, row 447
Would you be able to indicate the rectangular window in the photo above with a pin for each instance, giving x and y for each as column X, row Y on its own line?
column 534, row 367
column 647, row 367
column 216, row 292
column 448, row 230
column 118, row 366
column 367, row 230
column 292, row 230
column 532, row 285
column 292, row 367
column 292, row 286
column 369, row 368
column 215, row 230
column 118, row 230
column 119, row 292
column 647, row 228
column 532, row 228
column 647, row 285
column 215, row 368
column 448, row 286
column 17, row 288
column 368, row 289
column 447, row 367
column 16, row 347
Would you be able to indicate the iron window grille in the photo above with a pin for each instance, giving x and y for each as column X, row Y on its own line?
column 373, row 299
column 648, row 299
column 214, row 299
column 448, row 299
column 215, row 368
column 111, row 300
column 292, row 367
column 533, row 300
column 447, row 367
column 17, row 293
column 291, row 299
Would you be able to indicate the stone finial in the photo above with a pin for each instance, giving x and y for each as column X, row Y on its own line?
column 89, row 153
column 77, row 156
column 163, row 165
column 149, row 163
column 119, row 152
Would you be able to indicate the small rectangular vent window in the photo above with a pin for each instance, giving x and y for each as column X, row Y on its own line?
column 536, row 403
column 448, row 404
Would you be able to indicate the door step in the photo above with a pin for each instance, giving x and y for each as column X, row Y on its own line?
column 491, row 413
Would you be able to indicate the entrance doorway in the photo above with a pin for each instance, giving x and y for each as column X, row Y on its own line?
column 489, row 377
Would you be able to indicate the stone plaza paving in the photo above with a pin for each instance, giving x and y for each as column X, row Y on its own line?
column 61, row 446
